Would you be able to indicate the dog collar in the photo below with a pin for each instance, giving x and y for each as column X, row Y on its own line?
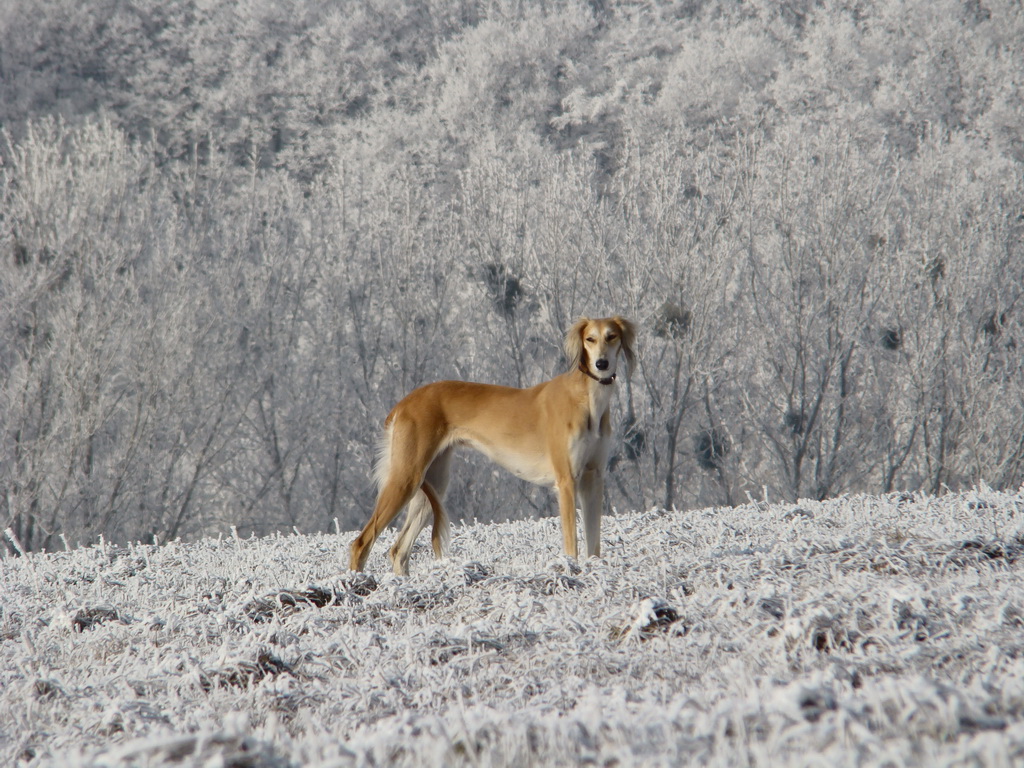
column 598, row 379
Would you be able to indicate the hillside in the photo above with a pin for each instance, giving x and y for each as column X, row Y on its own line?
column 858, row 631
column 232, row 236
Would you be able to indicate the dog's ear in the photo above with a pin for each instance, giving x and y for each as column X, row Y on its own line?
column 574, row 343
column 627, row 333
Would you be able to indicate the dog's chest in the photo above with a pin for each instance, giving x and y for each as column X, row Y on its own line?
column 588, row 443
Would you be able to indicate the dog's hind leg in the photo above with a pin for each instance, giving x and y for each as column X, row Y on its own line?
column 437, row 481
column 425, row 505
column 406, row 460
column 416, row 519
column 392, row 497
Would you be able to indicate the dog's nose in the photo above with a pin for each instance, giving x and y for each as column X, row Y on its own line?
column 601, row 364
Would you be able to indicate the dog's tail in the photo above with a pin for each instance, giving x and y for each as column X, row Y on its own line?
column 382, row 459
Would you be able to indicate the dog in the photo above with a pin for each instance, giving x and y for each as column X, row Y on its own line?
column 557, row 433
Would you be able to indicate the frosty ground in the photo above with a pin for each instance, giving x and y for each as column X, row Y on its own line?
column 859, row 631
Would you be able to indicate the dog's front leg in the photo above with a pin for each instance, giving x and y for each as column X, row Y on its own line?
column 592, row 501
column 567, row 510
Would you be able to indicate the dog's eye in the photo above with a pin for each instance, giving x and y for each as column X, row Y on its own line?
column 591, row 339
column 610, row 337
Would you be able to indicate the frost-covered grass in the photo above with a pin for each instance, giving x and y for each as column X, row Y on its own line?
column 866, row 630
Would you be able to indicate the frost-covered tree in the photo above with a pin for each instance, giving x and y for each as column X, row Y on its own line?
column 233, row 236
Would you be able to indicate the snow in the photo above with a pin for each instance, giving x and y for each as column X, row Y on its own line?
column 858, row 631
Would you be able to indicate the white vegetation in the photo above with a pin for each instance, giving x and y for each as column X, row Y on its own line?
column 234, row 234
column 865, row 630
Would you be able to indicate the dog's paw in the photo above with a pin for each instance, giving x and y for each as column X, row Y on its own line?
column 564, row 564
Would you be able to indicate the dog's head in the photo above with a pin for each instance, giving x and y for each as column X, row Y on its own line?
column 595, row 346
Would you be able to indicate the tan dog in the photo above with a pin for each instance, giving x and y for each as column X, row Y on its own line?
column 557, row 433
